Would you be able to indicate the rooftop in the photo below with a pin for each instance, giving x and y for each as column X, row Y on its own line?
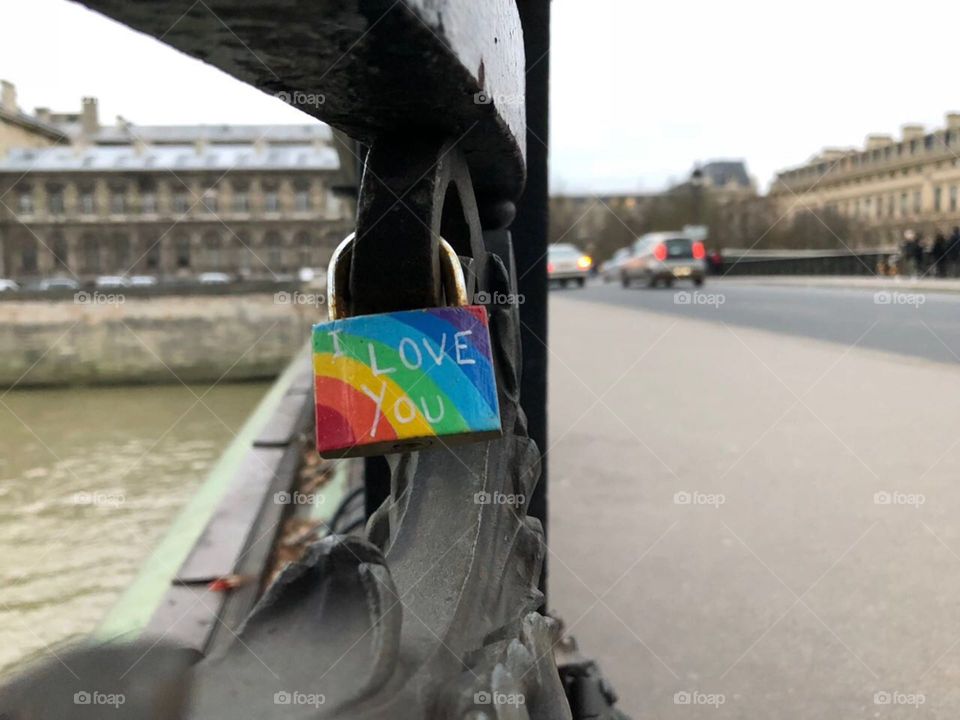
column 170, row 157
column 126, row 132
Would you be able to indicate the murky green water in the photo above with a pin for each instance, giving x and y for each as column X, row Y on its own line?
column 89, row 481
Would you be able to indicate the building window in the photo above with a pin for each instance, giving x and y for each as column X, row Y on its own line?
column 55, row 200
column 118, row 201
column 25, row 202
column 917, row 202
column 86, row 201
column 28, row 261
column 904, row 199
column 271, row 200
column 121, row 253
column 953, row 198
column 91, row 254
column 209, row 201
column 180, row 203
column 301, row 197
column 183, row 251
column 241, row 200
column 938, row 199
column 212, row 248
column 274, row 252
column 148, row 203
column 153, row 254
column 59, row 248
column 305, row 249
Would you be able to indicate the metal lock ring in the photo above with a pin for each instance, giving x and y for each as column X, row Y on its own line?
column 338, row 276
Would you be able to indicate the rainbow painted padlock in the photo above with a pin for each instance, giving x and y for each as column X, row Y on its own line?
column 402, row 381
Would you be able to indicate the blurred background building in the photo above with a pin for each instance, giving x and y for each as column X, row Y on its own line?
column 602, row 224
column 85, row 199
column 877, row 192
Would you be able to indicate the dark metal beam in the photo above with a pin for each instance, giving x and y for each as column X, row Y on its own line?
column 369, row 67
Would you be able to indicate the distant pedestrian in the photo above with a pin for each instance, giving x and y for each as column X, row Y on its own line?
column 716, row 262
column 919, row 254
column 912, row 253
column 953, row 253
column 938, row 261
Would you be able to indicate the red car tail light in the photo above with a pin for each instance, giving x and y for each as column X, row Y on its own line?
column 699, row 252
column 550, row 267
column 660, row 252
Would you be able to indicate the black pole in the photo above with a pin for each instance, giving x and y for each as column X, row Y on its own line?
column 529, row 231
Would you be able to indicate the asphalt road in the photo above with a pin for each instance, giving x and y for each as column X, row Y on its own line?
column 924, row 325
column 755, row 505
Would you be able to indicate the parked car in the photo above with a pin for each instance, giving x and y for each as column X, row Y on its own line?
column 58, row 283
column 568, row 264
column 111, row 281
column 213, row 278
column 664, row 257
column 143, row 281
column 8, row 285
column 610, row 270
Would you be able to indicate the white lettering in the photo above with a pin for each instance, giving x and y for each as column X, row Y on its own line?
column 404, row 419
column 437, row 358
column 426, row 412
column 405, row 343
column 337, row 350
column 373, row 363
column 378, row 399
column 462, row 346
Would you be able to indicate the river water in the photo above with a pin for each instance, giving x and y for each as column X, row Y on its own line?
column 89, row 481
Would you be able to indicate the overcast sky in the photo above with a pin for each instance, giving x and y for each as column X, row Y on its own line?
column 641, row 90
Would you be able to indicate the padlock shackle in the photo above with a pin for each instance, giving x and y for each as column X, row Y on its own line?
column 338, row 276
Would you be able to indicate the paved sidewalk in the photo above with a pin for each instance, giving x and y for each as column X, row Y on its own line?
column 752, row 526
column 857, row 282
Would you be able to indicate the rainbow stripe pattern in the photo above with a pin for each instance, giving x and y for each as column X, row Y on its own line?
column 404, row 381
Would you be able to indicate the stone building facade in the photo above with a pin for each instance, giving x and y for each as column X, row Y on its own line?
column 20, row 130
column 883, row 189
column 250, row 201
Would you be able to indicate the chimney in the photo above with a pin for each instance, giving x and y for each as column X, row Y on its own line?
column 42, row 114
column 913, row 132
column 8, row 96
column 953, row 121
column 878, row 141
column 89, row 120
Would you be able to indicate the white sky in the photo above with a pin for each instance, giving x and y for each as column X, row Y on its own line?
column 641, row 89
